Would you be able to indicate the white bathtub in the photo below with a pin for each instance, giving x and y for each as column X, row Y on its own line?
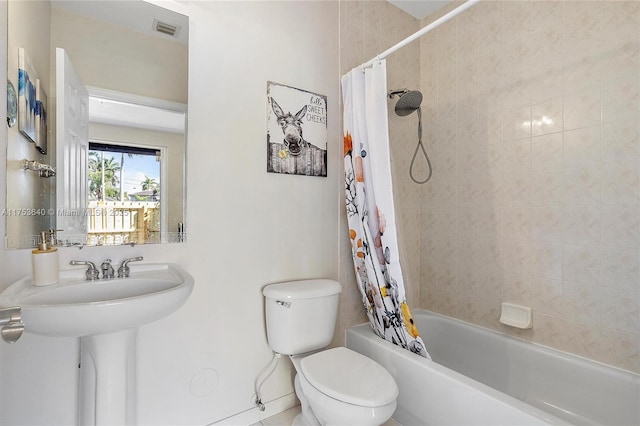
column 482, row 377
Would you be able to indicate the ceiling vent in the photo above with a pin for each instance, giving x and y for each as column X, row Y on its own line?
column 164, row 28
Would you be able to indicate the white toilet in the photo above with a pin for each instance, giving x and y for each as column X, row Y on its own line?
column 336, row 386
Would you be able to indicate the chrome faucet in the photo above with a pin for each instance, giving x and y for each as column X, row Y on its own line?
column 107, row 269
column 92, row 272
column 123, row 270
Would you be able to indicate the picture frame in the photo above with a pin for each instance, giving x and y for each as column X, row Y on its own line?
column 296, row 131
column 26, row 96
column 41, row 118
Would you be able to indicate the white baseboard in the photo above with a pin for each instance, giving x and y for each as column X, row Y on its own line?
column 254, row 415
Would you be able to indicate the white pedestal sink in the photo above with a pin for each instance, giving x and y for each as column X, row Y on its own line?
column 105, row 315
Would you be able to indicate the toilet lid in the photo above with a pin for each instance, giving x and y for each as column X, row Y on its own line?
column 348, row 376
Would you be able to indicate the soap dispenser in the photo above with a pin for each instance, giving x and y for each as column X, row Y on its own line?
column 44, row 260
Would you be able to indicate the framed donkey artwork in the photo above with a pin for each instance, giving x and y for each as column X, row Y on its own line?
column 296, row 131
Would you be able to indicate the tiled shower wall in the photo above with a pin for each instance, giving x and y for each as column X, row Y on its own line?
column 532, row 116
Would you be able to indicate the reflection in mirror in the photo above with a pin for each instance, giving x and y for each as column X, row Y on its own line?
column 119, row 174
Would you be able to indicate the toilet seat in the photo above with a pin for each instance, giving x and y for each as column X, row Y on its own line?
column 350, row 377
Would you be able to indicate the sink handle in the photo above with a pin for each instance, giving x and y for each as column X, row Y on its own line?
column 92, row 272
column 11, row 324
column 123, row 270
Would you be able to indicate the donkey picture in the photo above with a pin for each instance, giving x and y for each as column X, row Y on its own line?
column 293, row 154
column 291, row 128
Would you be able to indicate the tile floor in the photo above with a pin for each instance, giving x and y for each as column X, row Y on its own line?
column 286, row 418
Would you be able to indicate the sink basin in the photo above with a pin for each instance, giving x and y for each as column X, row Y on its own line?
column 76, row 307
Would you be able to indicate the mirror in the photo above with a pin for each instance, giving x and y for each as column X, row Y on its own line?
column 117, row 174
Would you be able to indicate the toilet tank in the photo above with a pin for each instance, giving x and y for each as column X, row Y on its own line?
column 301, row 315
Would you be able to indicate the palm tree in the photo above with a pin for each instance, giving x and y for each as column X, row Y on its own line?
column 103, row 178
column 148, row 183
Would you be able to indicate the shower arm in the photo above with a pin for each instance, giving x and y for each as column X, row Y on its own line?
column 394, row 93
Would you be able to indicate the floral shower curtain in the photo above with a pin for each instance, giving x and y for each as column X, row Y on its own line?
column 370, row 211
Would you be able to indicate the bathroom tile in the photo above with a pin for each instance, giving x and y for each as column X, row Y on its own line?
column 517, row 289
column 546, row 118
column 621, row 183
column 621, row 100
column 545, row 329
column 582, row 73
column 372, row 17
column 468, row 20
column 465, row 222
column 582, row 186
column 517, row 223
column 621, row 142
column 516, row 190
column 621, row 225
column 467, row 123
column 620, row 310
column 488, row 261
column 517, row 18
column 489, row 221
column 517, row 91
column 621, row 268
column 516, row 123
column 619, row 22
column 545, row 14
column 488, row 305
column 467, row 42
column 582, row 109
column 517, row 156
column 546, row 152
column 516, row 255
column 546, row 259
column 581, row 264
column 581, row 28
column 567, row 335
column 490, row 119
column 623, row 62
column 547, row 224
column 581, row 302
column 490, row 18
column 619, row 349
column 546, row 41
column 547, row 188
column 546, row 296
column 284, row 418
column 492, row 159
column 547, row 78
column 582, row 225
column 491, row 70
column 372, row 42
column 582, row 147
column 580, row 338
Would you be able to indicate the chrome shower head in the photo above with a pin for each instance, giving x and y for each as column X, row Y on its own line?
column 409, row 101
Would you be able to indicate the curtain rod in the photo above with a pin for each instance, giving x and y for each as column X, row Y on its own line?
column 441, row 20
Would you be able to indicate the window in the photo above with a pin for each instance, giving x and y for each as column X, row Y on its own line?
column 123, row 193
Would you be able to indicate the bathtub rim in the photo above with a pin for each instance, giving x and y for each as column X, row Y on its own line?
column 465, row 381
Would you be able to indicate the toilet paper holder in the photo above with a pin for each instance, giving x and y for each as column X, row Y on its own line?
column 11, row 325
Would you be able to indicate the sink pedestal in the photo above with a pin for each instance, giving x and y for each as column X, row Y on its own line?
column 105, row 315
column 108, row 379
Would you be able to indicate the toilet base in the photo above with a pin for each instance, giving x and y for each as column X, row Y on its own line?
column 306, row 416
